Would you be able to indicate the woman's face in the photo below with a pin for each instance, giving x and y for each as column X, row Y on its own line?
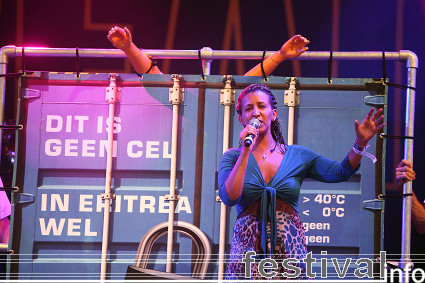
column 257, row 105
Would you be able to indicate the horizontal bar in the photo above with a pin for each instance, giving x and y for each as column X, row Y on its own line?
column 207, row 54
column 237, row 85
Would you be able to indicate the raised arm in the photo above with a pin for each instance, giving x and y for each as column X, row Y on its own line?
column 404, row 172
column 364, row 133
column 294, row 47
column 121, row 39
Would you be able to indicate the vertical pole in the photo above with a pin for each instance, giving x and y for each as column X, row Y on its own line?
column 4, row 60
column 291, row 120
column 172, row 195
column 175, row 98
column 223, row 209
column 112, row 96
column 407, row 187
column 227, row 99
column 291, row 99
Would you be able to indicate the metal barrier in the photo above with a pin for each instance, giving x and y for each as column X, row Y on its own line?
column 208, row 56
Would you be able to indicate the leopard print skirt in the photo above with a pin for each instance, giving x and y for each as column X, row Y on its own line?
column 247, row 237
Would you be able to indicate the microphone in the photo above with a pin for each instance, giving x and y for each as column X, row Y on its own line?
column 248, row 139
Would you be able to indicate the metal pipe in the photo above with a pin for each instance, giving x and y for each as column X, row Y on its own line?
column 412, row 62
column 7, row 52
column 403, row 55
column 4, row 60
column 227, row 102
column 206, row 55
column 405, row 260
column 291, row 121
column 106, row 215
column 291, row 99
column 172, row 196
column 175, row 99
column 412, row 65
column 223, row 209
column 111, row 99
column 210, row 55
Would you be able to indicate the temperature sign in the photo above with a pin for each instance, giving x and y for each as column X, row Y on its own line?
column 331, row 219
column 329, row 199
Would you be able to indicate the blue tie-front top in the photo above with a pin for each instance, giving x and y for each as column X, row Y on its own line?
column 297, row 164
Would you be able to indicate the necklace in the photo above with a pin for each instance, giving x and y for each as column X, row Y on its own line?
column 263, row 154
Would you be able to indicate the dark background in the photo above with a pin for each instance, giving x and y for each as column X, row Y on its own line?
column 349, row 25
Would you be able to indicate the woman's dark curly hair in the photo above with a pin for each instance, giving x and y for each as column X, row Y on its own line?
column 276, row 128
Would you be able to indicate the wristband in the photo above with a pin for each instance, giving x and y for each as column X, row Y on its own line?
column 153, row 64
column 360, row 150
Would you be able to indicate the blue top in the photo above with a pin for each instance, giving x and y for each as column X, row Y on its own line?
column 297, row 164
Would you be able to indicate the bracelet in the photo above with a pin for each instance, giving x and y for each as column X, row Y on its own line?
column 153, row 64
column 360, row 150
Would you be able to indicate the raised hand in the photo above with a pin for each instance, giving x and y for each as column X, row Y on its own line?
column 120, row 38
column 369, row 127
column 294, row 47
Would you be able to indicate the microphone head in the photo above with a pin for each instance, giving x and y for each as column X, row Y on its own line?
column 255, row 122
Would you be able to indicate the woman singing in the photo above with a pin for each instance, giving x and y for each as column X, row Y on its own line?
column 263, row 182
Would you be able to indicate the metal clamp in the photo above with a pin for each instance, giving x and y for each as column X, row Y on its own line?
column 227, row 94
column 113, row 93
column 28, row 93
column 292, row 95
column 375, row 100
column 22, row 198
column 171, row 198
column 374, row 204
column 108, row 196
column 176, row 94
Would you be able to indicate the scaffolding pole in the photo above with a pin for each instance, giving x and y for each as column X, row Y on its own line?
column 207, row 55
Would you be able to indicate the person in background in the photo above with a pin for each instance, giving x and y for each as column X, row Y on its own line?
column 404, row 172
column 121, row 38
